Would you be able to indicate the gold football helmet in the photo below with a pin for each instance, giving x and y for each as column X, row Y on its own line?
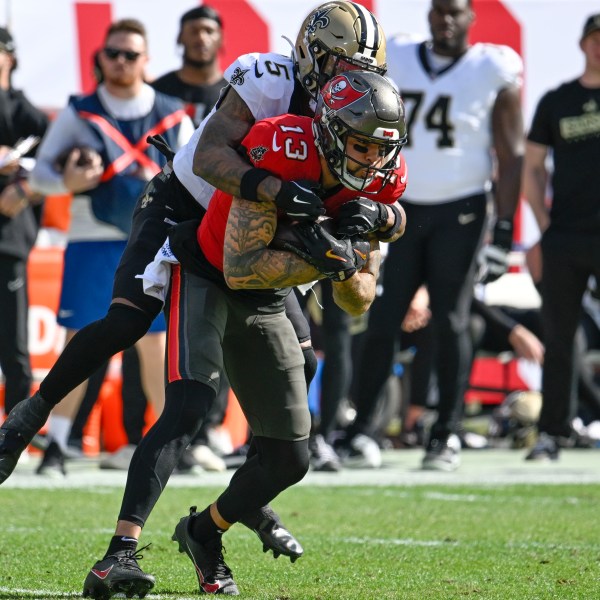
column 338, row 36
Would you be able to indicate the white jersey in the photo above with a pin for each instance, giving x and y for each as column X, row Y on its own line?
column 265, row 82
column 448, row 115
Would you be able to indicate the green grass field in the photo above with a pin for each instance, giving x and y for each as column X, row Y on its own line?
column 435, row 541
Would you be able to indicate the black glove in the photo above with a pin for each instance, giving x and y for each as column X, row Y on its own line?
column 493, row 257
column 299, row 201
column 361, row 216
column 361, row 247
column 335, row 258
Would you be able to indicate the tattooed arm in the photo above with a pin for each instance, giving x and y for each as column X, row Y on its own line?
column 248, row 263
column 216, row 158
column 356, row 294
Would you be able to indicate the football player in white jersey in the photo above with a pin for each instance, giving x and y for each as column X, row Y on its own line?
column 336, row 36
column 463, row 113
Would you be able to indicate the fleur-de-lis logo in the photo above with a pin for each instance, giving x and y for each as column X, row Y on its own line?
column 319, row 20
column 146, row 199
column 238, row 76
column 257, row 154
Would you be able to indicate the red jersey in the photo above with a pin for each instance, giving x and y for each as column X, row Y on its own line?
column 285, row 146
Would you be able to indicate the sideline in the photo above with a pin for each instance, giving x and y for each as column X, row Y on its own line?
column 489, row 467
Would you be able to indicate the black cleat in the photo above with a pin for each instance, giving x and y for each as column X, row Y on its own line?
column 118, row 573
column 214, row 576
column 273, row 535
column 546, row 448
column 53, row 462
column 17, row 431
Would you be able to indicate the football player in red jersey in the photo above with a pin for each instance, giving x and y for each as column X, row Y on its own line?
column 351, row 151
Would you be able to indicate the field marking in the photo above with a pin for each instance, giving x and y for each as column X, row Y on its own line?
column 398, row 542
column 43, row 594
column 438, row 543
column 38, row 594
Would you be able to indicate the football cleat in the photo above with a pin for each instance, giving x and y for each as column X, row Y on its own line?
column 546, row 448
column 359, row 452
column 118, row 573
column 53, row 462
column 17, row 431
column 442, row 454
column 322, row 456
column 273, row 535
column 214, row 576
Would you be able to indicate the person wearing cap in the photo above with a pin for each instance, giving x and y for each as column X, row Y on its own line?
column 20, row 210
column 199, row 80
column 567, row 123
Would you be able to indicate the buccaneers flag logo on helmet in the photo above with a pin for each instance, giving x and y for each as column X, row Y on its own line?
column 339, row 93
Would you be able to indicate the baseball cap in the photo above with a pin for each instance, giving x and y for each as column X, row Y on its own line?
column 7, row 44
column 201, row 12
column 592, row 24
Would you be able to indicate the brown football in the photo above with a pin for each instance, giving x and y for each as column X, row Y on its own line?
column 285, row 232
column 86, row 157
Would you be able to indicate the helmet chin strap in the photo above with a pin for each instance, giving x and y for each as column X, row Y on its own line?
column 356, row 183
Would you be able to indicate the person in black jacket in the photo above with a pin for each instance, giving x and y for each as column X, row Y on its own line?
column 20, row 210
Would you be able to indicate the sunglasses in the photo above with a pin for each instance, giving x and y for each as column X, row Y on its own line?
column 128, row 55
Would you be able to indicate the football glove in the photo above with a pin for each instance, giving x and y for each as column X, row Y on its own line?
column 336, row 259
column 299, row 201
column 493, row 257
column 361, row 216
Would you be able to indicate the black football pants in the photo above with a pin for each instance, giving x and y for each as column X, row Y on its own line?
column 438, row 249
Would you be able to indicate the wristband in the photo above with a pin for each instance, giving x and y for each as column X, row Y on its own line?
column 393, row 230
column 250, row 181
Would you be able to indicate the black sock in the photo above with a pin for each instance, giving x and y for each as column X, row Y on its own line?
column 119, row 543
column 202, row 526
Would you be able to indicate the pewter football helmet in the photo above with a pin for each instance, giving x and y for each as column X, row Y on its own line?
column 366, row 108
